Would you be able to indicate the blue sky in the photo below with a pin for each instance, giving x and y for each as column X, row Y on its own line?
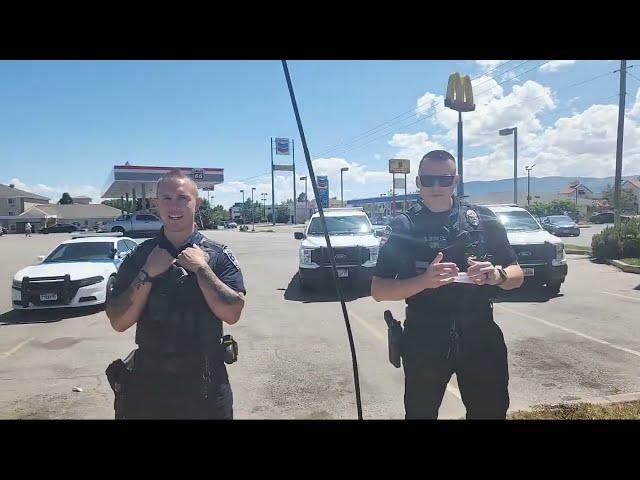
column 64, row 124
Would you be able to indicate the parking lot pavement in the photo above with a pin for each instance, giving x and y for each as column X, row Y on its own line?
column 294, row 359
column 586, row 234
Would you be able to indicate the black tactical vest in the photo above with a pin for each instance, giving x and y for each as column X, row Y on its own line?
column 460, row 236
column 177, row 320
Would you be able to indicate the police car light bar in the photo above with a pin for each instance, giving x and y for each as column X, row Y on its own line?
column 98, row 235
column 344, row 209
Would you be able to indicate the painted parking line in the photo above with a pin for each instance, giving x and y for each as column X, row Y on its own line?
column 622, row 296
column 16, row 348
column 570, row 330
column 383, row 337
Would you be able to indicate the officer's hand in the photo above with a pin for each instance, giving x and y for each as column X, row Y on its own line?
column 192, row 258
column 158, row 262
column 439, row 274
column 483, row 273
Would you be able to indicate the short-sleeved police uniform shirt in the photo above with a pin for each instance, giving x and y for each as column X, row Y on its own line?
column 397, row 256
column 223, row 263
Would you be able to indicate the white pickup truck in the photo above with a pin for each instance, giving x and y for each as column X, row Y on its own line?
column 355, row 245
column 134, row 223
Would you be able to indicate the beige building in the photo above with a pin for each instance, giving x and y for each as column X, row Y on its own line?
column 82, row 216
column 14, row 201
column 82, row 200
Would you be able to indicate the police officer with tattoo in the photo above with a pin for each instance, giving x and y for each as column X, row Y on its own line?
column 446, row 259
column 177, row 288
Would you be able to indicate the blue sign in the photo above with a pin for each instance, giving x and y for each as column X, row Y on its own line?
column 323, row 191
column 282, row 146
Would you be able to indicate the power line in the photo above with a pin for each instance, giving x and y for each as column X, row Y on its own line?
column 355, row 147
column 486, row 90
column 633, row 76
column 411, row 111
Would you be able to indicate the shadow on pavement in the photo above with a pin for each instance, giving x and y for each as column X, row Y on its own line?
column 528, row 294
column 295, row 293
column 20, row 317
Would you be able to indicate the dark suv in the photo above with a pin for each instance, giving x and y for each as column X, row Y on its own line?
column 604, row 217
column 60, row 228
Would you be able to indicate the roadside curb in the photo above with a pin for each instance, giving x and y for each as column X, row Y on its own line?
column 604, row 400
column 625, row 267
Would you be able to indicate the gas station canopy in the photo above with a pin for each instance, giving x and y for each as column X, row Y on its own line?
column 140, row 181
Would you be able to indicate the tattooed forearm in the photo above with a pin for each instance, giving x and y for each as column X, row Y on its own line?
column 125, row 309
column 118, row 306
column 225, row 293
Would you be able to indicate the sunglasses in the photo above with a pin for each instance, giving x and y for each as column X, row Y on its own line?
column 430, row 180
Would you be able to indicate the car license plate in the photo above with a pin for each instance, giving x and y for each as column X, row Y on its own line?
column 343, row 272
column 48, row 297
column 528, row 272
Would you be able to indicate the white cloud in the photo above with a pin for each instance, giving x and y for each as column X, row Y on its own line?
column 55, row 192
column 413, row 145
column 582, row 143
column 426, row 102
column 635, row 109
column 555, row 65
column 357, row 173
column 489, row 64
column 496, row 110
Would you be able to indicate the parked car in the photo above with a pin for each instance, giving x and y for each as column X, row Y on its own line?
column 603, row 217
column 77, row 273
column 560, row 225
column 60, row 228
column 232, row 225
column 134, row 223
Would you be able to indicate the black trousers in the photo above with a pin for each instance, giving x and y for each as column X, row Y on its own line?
column 158, row 395
column 478, row 357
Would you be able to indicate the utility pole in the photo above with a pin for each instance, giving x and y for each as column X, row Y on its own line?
column 618, row 180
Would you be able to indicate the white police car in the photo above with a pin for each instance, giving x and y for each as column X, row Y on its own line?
column 78, row 272
column 355, row 245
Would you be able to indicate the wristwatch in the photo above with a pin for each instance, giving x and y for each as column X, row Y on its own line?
column 143, row 276
column 503, row 274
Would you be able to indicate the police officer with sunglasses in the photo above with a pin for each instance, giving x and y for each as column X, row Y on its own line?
column 446, row 259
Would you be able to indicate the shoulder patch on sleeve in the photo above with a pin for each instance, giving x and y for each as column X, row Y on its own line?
column 228, row 253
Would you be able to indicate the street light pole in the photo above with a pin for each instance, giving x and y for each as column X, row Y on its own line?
column 514, row 131
column 264, row 205
column 528, row 169
column 253, row 211
column 342, row 170
column 242, row 191
column 306, row 198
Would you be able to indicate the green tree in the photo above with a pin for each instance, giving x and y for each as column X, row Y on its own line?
column 119, row 204
column 65, row 199
column 220, row 214
column 249, row 214
column 204, row 216
column 559, row 207
column 537, row 209
column 282, row 213
column 628, row 202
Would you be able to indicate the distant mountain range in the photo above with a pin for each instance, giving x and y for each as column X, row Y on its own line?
column 539, row 185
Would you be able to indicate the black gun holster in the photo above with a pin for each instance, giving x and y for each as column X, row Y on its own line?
column 394, row 336
column 118, row 374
